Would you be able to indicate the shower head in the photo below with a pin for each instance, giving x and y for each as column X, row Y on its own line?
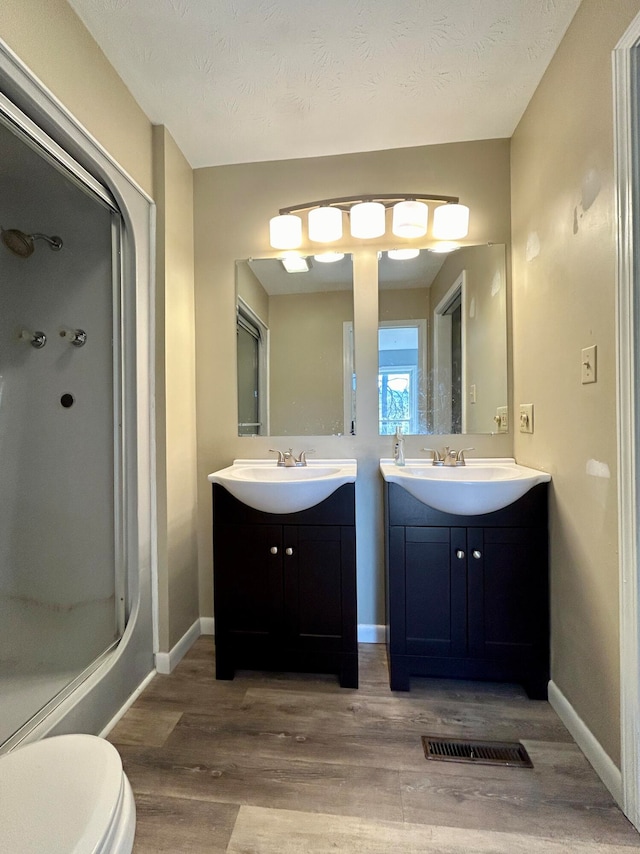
column 21, row 244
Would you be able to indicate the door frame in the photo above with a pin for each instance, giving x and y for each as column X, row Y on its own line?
column 442, row 356
column 626, row 87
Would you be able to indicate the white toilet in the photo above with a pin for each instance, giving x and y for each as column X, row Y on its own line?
column 65, row 795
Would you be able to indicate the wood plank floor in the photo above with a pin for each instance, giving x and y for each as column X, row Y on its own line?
column 283, row 763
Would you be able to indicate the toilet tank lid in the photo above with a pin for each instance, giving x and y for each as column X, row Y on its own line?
column 59, row 794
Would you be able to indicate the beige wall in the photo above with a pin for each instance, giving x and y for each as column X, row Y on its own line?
column 52, row 41
column 233, row 205
column 175, row 392
column 486, row 356
column 564, row 255
column 251, row 291
column 306, row 376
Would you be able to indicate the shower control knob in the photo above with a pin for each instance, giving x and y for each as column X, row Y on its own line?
column 36, row 339
column 76, row 337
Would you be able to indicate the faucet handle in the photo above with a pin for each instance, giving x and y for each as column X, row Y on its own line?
column 280, row 456
column 460, row 460
column 436, row 459
column 302, row 459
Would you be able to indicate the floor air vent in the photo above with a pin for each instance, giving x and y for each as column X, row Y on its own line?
column 510, row 753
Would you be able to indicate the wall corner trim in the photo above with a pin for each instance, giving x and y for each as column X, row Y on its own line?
column 602, row 763
column 371, row 633
column 167, row 661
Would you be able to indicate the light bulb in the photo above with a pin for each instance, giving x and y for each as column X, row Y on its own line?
column 285, row 231
column 367, row 220
column 450, row 222
column 410, row 219
column 325, row 224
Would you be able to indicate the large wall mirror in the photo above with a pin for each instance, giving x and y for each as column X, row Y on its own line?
column 442, row 342
column 295, row 348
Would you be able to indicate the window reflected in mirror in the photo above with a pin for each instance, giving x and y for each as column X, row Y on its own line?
column 295, row 364
column 442, row 342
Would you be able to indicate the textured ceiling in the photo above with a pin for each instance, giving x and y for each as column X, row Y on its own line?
column 246, row 80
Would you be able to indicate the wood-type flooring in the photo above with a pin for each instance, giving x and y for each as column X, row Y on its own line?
column 283, row 763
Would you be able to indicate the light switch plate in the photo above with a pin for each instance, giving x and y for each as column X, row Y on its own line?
column 526, row 417
column 502, row 419
column 589, row 364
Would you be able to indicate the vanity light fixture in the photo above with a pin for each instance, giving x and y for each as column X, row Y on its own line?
column 285, row 232
column 368, row 220
column 325, row 224
column 367, row 215
column 403, row 254
column 450, row 222
column 410, row 219
column 296, row 263
column 329, row 257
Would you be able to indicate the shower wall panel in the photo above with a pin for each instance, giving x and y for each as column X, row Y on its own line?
column 57, row 552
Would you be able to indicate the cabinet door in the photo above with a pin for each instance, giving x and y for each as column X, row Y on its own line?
column 313, row 584
column 248, row 593
column 435, row 591
column 507, row 593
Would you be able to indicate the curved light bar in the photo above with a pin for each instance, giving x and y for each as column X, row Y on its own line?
column 368, row 218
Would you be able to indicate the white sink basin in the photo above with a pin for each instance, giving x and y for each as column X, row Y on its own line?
column 480, row 486
column 276, row 489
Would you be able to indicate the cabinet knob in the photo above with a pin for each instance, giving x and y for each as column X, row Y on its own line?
column 274, row 550
column 288, row 551
column 460, row 554
column 477, row 554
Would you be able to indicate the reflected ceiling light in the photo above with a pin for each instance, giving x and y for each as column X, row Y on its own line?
column 444, row 246
column 368, row 218
column 410, row 219
column 403, row 254
column 325, row 224
column 450, row 222
column 285, row 231
column 295, row 263
column 329, row 257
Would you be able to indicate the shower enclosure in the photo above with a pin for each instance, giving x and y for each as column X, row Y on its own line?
column 63, row 599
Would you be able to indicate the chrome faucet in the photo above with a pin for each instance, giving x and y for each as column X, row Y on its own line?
column 302, row 459
column 286, row 459
column 436, row 458
column 447, row 456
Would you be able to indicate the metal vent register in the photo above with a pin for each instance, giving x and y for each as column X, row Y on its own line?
column 510, row 753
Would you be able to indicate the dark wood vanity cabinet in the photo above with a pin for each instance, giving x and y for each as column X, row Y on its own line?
column 285, row 587
column 467, row 596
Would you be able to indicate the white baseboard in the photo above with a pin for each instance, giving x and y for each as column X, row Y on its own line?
column 166, row 661
column 207, row 626
column 602, row 763
column 371, row 633
column 114, row 720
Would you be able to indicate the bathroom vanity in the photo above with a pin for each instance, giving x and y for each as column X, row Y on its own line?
column 467, row 595
column 285, row 586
